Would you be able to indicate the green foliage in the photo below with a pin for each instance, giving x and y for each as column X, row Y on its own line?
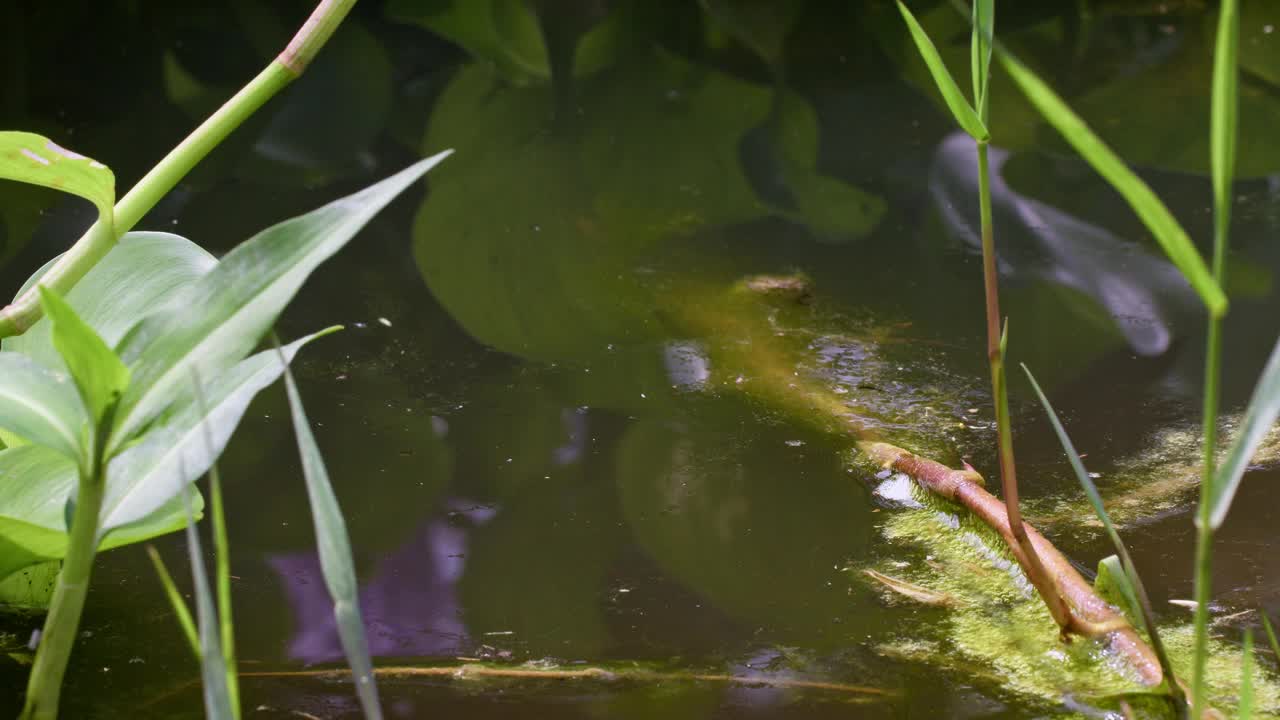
column 239, row 299
column 334, row 549
column 30, row 158
column 98, row 373
column 965, row 116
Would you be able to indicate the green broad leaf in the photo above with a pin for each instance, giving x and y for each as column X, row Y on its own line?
column 39, row 406
column 238, row 301
column 1259, row 416
column 960, row 108
column 37, row 160
column 334, row 549
column 213, row 666
column 137, row 277
column 1161, row 223
column 34, row 485
column 984, row 20
column 1222, row 116
column 97, row 371
column 183, row 447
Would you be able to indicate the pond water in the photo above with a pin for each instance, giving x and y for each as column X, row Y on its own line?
column 558, row 422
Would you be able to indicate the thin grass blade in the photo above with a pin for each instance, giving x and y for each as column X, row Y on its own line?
column 1163, row 226
column 1259, row 416
column 1271, row 635
column 221, row 552
column 334, row 548
column 180, row 609
column 213, row 667
column 1130, row 572
column 984, row 20
column 960, row 108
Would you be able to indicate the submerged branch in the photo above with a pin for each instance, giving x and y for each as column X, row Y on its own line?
column 469, row 670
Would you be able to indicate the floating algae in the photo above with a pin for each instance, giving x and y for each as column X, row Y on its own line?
column 1161, row 480
column 996, row 629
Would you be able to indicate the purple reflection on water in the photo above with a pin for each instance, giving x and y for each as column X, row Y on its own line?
column 409, row 604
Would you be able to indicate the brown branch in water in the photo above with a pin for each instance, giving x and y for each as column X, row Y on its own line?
column 1091, row 615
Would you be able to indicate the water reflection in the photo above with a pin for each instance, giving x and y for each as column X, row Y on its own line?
column 1140, row 293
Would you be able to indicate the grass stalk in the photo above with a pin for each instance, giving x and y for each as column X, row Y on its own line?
column 180, row 609
column 222, row 578
column 1222, row 144
column 97, row 241
column 1027, row 555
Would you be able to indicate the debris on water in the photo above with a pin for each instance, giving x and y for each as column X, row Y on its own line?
column 908, row 590
column 384, row 321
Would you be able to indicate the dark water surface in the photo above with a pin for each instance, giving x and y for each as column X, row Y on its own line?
column 539, row 454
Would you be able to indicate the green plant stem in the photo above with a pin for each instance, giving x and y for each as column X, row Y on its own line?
column 1026, row 553
column 98, row 241
column 61, row 625
column 1204, row 530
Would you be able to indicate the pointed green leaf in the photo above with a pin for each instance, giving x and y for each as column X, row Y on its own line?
column 1159, row 221
column 1222, row 116
column 334, row 549
column 39, row 406
column 1259, row 416
column 960, row 108
column 238, row 300
column 30, row 158
column 98, row 373
column 170, row 457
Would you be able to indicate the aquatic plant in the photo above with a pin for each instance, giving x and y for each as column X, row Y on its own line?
column 1218, row 483
column 974, row 120
column 96, row 399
